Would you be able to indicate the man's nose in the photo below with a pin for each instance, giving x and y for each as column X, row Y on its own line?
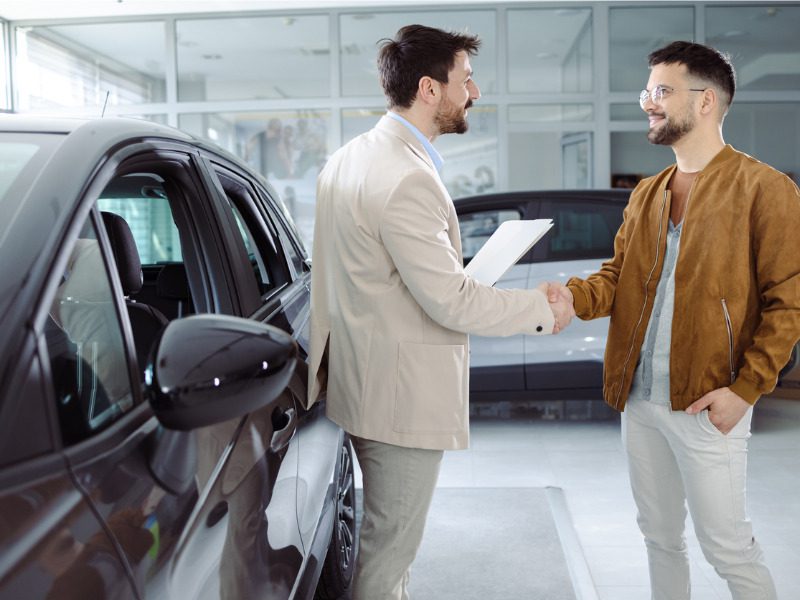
column 474, row 91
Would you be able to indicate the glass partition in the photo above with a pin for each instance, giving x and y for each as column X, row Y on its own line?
column 769, row 131
column 361, row 33
column 763, row 42
column 550, row 50
column 76, row 66
column 287, row 147
column 253, row 58
column 5, row 82
column 636, row 32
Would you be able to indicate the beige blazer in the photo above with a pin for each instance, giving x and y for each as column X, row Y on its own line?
column 391, row 306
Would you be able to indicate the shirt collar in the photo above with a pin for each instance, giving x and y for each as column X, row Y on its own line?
column 437, row 159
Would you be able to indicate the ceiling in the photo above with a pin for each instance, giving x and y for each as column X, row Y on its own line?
column 19, row 10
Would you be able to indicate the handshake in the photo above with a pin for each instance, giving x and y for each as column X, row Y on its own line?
column 561, row 303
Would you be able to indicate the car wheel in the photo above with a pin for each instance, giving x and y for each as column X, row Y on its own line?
column 337, row 571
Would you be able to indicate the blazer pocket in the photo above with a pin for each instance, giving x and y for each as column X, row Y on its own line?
column 431, row 389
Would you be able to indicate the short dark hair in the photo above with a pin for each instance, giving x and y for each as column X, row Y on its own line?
column 415, row 52
column 701, row 61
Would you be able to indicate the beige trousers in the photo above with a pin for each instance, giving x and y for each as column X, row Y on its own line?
column 678, row 460
column 398, row 488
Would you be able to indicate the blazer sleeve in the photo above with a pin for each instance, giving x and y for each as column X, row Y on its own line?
column 414, row 230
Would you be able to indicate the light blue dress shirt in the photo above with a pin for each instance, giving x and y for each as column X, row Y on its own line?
column 437, row 159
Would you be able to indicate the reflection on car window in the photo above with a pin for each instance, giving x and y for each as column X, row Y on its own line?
column 477, row 227
column 583, row 230
column 85, row 344
column 21, row 157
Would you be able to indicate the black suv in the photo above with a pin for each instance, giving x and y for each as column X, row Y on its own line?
column 154, row 440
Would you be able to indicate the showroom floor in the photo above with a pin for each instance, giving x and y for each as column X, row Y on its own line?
column 585, row 459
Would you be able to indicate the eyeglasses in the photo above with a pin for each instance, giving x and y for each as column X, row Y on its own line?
column 658, row 92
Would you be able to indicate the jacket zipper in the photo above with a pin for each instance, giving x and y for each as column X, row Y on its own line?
column 730, row 338
column 644, row 305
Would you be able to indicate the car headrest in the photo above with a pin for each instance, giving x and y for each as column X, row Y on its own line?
column 172, row 282
column 125, row 253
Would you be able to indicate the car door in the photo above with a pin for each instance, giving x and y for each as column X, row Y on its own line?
column 184, row 509
column 496, row 363
column 267, row 292
column 282, row 274
column 72, row 376
column 582, row 238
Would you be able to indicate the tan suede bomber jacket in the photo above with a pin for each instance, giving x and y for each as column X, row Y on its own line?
column 737, row 281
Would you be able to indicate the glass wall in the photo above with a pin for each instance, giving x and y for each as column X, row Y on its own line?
column 288, row 147
column 763, row 42
column 69, row 66
column 284, row 89
column 634, row 33
column 5, row 75
column 254, row 58
column 361, row 34
column 550, row 50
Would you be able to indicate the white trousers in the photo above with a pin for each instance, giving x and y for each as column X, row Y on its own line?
column 675, row 460
column 398, row 489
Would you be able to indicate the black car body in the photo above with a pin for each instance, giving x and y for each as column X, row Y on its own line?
column 153, row 437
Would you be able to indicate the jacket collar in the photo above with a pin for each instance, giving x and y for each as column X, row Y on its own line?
column 721, row 157
column 397, row 129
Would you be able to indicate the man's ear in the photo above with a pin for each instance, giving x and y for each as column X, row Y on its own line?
column 429, row 90
column 709, row 101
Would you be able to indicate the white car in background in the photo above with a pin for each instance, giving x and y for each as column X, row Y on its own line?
column 568, row 366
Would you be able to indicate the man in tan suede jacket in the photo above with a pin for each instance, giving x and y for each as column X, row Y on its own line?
column 704, row 297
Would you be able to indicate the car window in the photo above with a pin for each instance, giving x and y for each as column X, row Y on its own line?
column 257, row 237
column 260, row 269
column 290, row 243
column 85, row 343
column 21, row 157
column 142, row 202
column 583, row 229
column 477, row 227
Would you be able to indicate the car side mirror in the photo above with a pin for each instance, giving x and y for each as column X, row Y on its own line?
column 206, row 369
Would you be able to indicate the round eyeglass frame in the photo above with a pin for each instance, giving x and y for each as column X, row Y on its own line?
column 658, row 93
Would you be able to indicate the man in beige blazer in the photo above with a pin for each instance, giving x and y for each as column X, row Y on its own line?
column 392, row 306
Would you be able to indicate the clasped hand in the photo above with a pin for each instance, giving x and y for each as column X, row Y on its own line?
column 561, row 303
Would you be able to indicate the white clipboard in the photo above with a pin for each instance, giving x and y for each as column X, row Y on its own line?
column 506, row 246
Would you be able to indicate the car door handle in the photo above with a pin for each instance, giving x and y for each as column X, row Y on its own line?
column 284, row 424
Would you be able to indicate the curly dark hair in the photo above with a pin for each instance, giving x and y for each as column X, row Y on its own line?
column 417, row 51
column 701, row 61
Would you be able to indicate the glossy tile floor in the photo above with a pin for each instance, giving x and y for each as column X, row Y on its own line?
column 585, row 459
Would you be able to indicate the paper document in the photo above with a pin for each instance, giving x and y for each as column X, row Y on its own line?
column 506, row 246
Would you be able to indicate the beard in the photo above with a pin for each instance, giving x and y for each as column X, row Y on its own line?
column 671, row 131
column 450, row 117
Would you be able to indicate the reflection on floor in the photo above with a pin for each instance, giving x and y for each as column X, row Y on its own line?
column 585, row 459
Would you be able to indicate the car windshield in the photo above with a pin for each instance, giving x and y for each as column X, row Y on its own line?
column 21, row 158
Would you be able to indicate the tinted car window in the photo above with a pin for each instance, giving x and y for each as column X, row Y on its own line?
column 85, row 343
column 477, row 227
column 151, row 222
column 583, row 229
